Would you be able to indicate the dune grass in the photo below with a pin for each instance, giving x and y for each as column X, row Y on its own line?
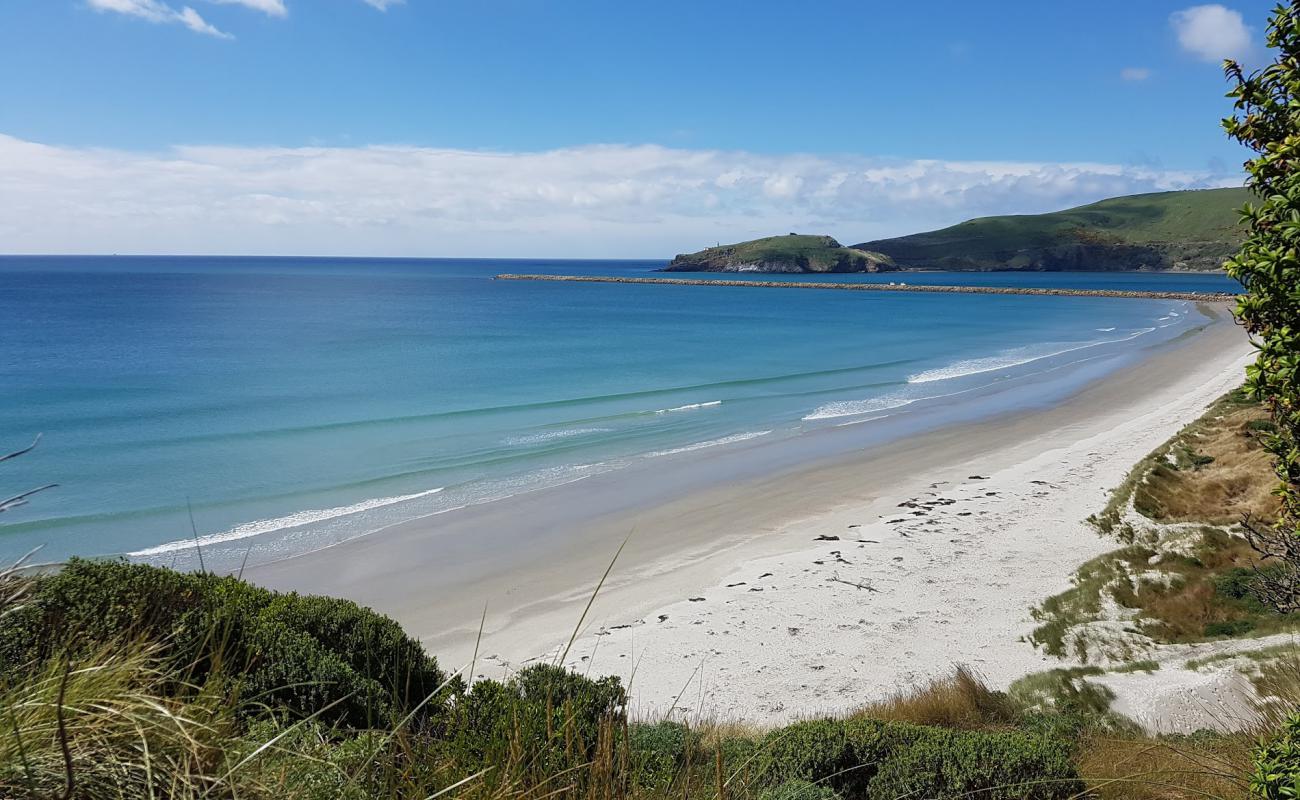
column 1186, row 575
column 961, row 701
column 1114, row 758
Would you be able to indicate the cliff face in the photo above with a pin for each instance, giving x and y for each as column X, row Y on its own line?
column 1071, row 256
column 792, row 253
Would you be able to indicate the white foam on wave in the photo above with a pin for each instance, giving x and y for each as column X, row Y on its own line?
column 860, row 421
column 1105, row 330
column 688, row 407
column 550, row 436
column 852, row 408
column 738, row 437
column 1007, row 359
column 261, row 526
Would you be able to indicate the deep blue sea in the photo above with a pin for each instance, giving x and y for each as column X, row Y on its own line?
column 291, row 403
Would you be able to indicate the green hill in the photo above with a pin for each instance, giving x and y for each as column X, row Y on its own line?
column 791, row 253
column 1192, row 230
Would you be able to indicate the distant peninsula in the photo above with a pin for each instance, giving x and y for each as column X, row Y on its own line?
column 791, row 253
column 1192, row 230
column 1186, row 230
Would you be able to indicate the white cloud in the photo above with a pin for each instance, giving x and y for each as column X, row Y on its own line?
column 157, row 11
column 596, row 200
column 191, row 19
column 383, row 5
column 1135, row 73
column 272, row 8
column 1212, row 32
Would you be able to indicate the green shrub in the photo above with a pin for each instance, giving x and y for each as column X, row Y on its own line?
column 291, row 652
column 991, row 766
column 545, row 718
column 1235, row 583
column 816, row 751
column 799, row 790
column 659, row 751
column 844, row 755
column 1276, row 760
column 310, row 763
column 872, row 743
column 1230, row 628
column 738, row 752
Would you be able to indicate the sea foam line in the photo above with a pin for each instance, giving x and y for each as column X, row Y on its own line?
column 688, row 407
column 550, row 436
column 738, row 437
column 1006, row 360
column 852, row 408
column 261, row 526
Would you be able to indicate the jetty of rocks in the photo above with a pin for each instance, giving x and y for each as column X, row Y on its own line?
column 1199, row 297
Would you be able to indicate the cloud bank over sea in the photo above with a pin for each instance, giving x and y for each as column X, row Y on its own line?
column 604, row 200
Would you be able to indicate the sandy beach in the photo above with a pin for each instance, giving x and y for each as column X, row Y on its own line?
column 791, row 588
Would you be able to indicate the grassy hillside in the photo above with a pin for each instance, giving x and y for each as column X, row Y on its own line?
column 1166, row 230
column 790, row 253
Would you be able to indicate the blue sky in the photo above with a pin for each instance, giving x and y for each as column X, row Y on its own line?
column 787, row 98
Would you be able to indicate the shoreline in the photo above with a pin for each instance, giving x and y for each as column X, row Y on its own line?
column 536, row 582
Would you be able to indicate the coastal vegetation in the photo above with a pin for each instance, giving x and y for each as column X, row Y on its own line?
column 183, row 706
column 1188, row 230
column 791, row 253
column 1186, row 570
column 1269, row 267
column 122, row 680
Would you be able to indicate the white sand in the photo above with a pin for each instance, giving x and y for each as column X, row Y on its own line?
column 1177, row 698
column 947, row 579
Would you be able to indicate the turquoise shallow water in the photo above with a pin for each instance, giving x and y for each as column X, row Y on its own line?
column 297, row 402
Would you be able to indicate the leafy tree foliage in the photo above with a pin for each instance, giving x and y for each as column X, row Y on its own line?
column 1267, row 120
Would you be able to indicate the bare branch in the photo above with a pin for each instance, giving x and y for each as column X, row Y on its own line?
column 29, row 448
column 865, row 585
column 21, row 499
column 1277, row 581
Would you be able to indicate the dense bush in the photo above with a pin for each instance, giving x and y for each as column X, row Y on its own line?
column 879, row 760
column 264, row 659
column 543, row 720
column 990, row 766
column 1268, row 266
column 1277, row 764
column 301, row 654
column 815, row 750
column 659, row 751
column 799, row 790
column 1230, row 628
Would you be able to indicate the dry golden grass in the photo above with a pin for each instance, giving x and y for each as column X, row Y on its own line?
column 1165, row 769
column 1238, row 481
column 961, row 700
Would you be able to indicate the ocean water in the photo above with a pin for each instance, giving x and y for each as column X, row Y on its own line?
column 292, row 403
